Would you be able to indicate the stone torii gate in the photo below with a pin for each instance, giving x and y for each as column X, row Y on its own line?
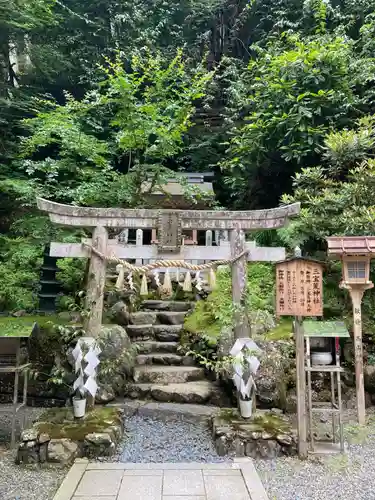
column 169, row 226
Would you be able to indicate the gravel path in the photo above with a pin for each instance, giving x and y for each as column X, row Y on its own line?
column 338, row 477
column 149, row 440
column 348, row 477
column 22, row 483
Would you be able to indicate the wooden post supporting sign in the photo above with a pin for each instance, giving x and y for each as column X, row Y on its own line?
column 299, row 293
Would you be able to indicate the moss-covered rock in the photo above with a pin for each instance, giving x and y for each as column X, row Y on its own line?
column 60, row 422
column 265, row 435
column 58, row 437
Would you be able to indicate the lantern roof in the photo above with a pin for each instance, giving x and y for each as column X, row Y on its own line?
column 339, row 246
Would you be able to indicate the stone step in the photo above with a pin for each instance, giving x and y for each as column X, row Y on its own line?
column 142, row 332
column 187, row 412
column 171, row 318
column 166, row 305
column 162, row 333
column 152, row 318
column 150, row 346
column 199, row 392
column 143, row 318
column 157, row 358
column 167, row 374
column 167, row 333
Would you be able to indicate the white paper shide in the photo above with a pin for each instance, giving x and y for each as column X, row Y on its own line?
column 86, row 375
column 245, row 366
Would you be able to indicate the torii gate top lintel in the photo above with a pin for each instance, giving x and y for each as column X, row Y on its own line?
column 150, row 218
column 169, row 226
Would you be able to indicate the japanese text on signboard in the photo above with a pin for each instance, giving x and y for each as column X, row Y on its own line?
column 299, row 288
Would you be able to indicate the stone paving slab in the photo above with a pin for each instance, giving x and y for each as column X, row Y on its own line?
column 173, row 481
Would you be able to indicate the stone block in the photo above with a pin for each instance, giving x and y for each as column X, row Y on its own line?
column 262, row 448
column 171, row 318
column 99, row 444
column 265, row 435
column 167, row 333
column 29, row 435
column 142, row 318
column 167, row 374
column 28, row 453
column 62, row 451
column 167, row 305
column 120, row 313
column 105, row 394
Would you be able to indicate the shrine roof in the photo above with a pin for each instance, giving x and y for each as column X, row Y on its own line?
column 12, row 328
column 175, row 188
column 324, row 329
column 304, row 259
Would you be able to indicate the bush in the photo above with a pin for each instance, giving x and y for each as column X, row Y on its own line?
column 215, row 314
column 19, row 274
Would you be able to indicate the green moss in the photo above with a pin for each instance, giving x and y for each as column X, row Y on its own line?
column 22, row 326
column 282, row 331
column 60, row 423
column 260, row 422
column 201, row 321
column 271, row 423
column 228, row 414
column 215, row 314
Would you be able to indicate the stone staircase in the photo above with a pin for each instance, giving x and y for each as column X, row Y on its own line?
column 161, row 372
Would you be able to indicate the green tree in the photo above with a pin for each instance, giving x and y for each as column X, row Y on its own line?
column 337, row 198
column 142, row 112
column 294, row 93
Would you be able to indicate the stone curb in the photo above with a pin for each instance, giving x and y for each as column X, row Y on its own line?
column 72, row 480
column 191, row 413
column 252, row 480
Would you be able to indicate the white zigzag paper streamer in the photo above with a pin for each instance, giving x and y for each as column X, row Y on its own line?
column 242, row 386
column 92, row 360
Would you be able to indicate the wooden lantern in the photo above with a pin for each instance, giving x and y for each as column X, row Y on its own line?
column 356, row 269
column 355, row 253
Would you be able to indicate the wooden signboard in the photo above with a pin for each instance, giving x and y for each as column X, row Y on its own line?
column 299, row 288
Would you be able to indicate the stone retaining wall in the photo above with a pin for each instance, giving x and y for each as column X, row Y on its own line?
column 38, row 447
column 266, row 435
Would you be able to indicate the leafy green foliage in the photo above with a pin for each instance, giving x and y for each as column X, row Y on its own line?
column 294, row 91
column 337, row 199
column 143, row 110
column 19, row 281
column 214, row 315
